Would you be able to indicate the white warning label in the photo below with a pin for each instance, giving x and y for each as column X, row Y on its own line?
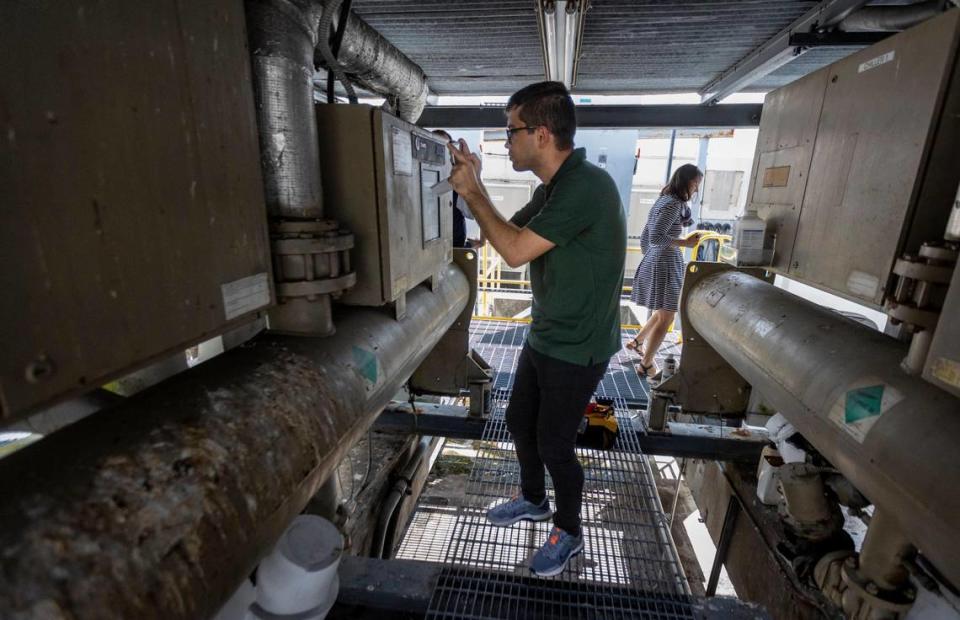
column 245, row 295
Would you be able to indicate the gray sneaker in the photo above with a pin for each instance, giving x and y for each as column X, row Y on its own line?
column 553, row 556
column 518, row 509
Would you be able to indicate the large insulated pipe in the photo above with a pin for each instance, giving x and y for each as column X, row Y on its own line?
column 159, row 507
column 840, row 384
column 283, row 35
column 379, row 66
column 283, row 39
column 891, row 18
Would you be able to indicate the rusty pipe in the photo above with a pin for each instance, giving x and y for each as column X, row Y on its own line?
column 840, row 384
column 159, row 507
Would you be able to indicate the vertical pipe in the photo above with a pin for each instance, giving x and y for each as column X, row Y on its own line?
column 282, row 43
column 697, row 201
column 884, row 551
column 673, row 141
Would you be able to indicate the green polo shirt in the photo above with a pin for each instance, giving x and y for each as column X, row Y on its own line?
column 577, row 284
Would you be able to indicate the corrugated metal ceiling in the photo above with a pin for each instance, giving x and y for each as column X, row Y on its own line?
column 655, row 46
column 477, row 48
column 630, row 46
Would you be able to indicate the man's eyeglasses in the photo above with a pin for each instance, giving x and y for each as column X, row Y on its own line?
column 513, row 130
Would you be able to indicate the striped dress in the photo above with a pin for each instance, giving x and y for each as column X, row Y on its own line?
column 659, row 277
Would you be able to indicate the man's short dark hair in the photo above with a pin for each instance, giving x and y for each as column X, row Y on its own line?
column 548, row 104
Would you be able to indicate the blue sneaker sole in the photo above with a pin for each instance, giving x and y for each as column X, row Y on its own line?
column 553, row 572
column 523, row 517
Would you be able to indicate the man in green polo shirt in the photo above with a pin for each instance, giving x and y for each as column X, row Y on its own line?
column 573, row 234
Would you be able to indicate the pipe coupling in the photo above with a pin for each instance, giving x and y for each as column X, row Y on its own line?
column 807, row 508
column 921, row 285
column 838, row 576
column 311, row 261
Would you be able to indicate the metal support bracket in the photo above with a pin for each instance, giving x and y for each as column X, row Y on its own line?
column 705, row 382
column 452, row 367
column 723, row 545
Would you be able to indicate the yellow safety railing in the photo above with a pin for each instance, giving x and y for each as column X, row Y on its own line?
column 490, row 277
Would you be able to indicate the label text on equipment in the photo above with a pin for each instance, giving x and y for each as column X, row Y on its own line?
column 873, row 63
column 245, row 295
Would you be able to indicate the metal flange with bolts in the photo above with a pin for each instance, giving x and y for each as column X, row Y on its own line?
column 311, row 265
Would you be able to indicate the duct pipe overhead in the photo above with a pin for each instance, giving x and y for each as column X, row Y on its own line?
column 891, row 18
column 159, row 507
column 839, row 383
column 380, row 67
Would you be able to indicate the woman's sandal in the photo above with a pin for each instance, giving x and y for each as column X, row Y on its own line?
column 648, row 371
column 635, row 345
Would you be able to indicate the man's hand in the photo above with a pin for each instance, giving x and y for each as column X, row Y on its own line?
column 465, row 176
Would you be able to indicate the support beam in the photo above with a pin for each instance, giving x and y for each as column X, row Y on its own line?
column 726, row 535
column 606, row 116
column 398, row 586
column 836, row 38
column 685, row 442
column 436, row 420
column 777, row 51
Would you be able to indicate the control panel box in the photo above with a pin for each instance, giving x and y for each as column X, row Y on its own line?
column 378, row 171
column 856, row 164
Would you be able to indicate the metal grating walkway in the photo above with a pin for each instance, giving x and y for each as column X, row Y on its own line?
column 473, row 594
column 499, row 342
column 629, row 567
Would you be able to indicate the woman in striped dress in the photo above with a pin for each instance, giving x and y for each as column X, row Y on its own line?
column 659, row 277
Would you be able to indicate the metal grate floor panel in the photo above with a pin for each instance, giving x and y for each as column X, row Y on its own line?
column 629, row 566
column 464, row 593
column 500, row 342
column 626, row 536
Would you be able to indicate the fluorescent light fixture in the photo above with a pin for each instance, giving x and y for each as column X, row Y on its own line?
column 562, row 32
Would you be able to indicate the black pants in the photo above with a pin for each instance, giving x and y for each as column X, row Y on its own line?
column 546, row 406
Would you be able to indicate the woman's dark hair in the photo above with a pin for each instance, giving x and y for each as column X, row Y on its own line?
column 547, row 104
column 679, row 185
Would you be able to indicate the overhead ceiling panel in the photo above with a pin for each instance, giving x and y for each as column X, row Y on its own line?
column 809, row 62
column 492, row 47
column 465, row 48
column 644, row 46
